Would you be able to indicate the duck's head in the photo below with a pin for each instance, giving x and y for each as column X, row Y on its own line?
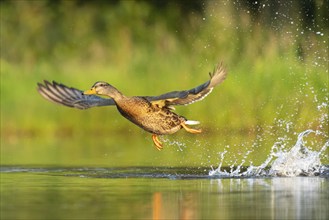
column 103, row 88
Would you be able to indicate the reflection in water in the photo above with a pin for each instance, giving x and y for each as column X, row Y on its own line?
column 175, row 206
column 157, row 205
column 96, row 193
column 283, row 198
column 277, row 198
column 272, row 198
column 300, row 198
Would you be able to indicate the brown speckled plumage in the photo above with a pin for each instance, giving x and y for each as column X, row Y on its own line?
column 149, row 117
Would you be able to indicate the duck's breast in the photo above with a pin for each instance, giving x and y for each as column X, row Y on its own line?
column 150, row 118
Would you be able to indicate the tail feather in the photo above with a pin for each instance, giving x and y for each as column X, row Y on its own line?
column 190, row 122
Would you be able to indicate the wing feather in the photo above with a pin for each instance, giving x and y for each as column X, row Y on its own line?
column 198, row 93
column 70, row 96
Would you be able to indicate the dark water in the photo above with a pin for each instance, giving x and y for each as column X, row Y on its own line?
column 157, row 193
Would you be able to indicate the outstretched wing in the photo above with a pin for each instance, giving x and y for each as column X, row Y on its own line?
column 70, row 97
column 193, row 95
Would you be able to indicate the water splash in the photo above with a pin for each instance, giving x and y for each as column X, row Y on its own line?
column 284, row 159
column 180, row 145
column 298, row 161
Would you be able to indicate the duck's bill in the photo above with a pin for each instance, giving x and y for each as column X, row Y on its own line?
column 91, row 91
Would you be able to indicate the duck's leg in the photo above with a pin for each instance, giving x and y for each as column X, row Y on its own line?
column 191, row 130
column 157, row 142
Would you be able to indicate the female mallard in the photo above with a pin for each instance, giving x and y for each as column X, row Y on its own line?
column 152, row 113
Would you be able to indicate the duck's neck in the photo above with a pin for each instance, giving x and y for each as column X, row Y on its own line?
column 115, row 94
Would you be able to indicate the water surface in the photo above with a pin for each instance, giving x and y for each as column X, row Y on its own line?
column 157, row 193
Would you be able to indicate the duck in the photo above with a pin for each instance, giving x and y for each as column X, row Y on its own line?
column 154, row 114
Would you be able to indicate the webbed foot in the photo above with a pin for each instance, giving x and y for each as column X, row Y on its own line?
column 157, row 142
column 191, row 130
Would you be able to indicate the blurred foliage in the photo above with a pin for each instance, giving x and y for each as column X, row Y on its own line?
column 51, row 29
column 276, row 54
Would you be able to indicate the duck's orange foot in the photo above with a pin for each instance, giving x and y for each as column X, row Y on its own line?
column 191, row 130
column 157, row 142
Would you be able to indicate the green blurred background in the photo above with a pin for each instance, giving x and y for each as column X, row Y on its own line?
column 276, row 54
